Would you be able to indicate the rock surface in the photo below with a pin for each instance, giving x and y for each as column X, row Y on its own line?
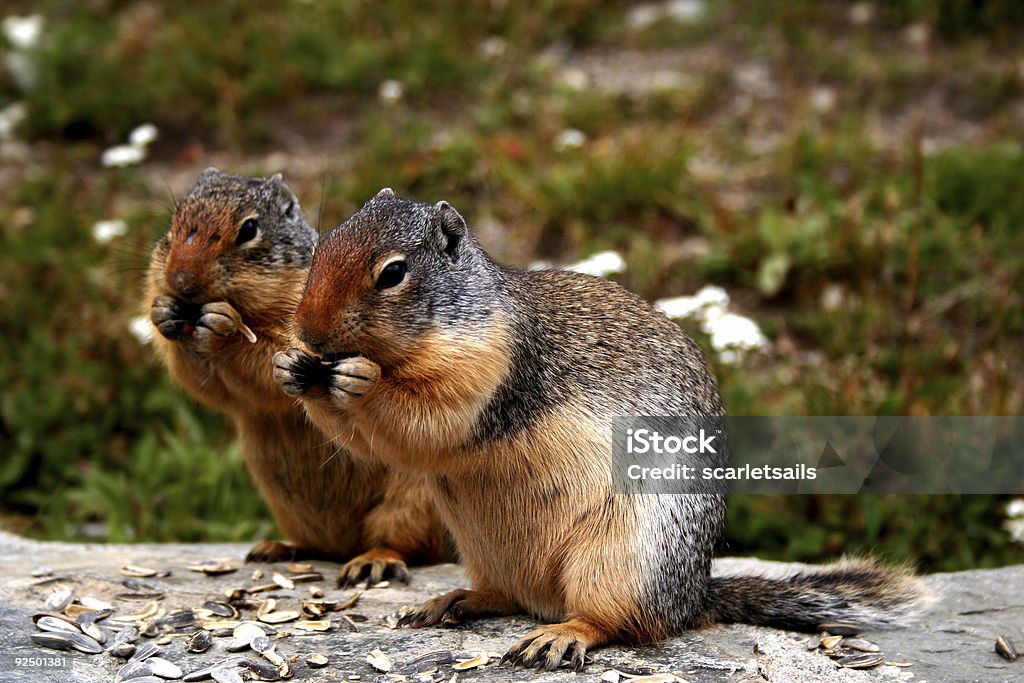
column 952, row 641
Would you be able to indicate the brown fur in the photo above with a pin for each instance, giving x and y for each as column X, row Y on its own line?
column 325, row 502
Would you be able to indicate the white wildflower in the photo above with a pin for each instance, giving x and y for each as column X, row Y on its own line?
column 685, row 11
column 570, row 138
column 11, row 117
column 823, row 99
column 709, row 297
column 22, row 70
column 141, row 328
column 860, row 13
column 1015, row 508
column 601, row 264
column 575, row 79
column 143, row 135
column 640, row 17
column 493, row 46
column 123, row 155
column 104, row 231
column 23, row 33
column 733, row 331
column 391, row 91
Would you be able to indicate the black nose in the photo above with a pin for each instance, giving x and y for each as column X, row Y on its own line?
column 185, row 284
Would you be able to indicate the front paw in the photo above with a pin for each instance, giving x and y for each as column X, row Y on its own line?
column 351, row 379
column 217, row 321
column 458, row 607
column 300, row 374
column 173, row 319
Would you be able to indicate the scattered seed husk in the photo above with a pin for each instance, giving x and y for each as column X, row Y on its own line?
column 829, row 642
column 311, row 625
column 864, row 661
column 860, row 644
column 348, row 623
column 220, row 609
column 53, row 640
column 247, row 333
column 138, row 571
column 226, row 675
column 145, row 651
column 140, row 596
column 92, row 630
column 247, row 630
column 263, row 588
column 317, row 660
column 257, row 574
column 472, row 663
column 55, row 624
column 379, row 661
column 899, row 664
column 122, row 650
column 213, row 567
column 234, row 594
column 306, row 577
column 1006, row 649
column 263, row 671
column 93, row 616
column 150, row 630
column 178, row 619
column 839, row 628
column 654, row 678
column 200, row 641
column 260, row 644
column 611, row 676
column 60, row 599
column 316, row 592
column 133, row 669
column 95, row 603
column 164, row 668
column 380, row 584
column 147, row 679
column 280, row 617
column 40, row 572
column 283, row 581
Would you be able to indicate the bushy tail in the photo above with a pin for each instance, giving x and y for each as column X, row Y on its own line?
column 860, row 592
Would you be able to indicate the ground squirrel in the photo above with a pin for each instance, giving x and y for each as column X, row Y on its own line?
column 222, row 284
column 500, row 384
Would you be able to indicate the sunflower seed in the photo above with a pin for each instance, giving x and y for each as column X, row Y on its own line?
column 60, row 599
column 137, row 571
column 1006, row 649
column 279, row 617
column 316, row 660
column 213, row 567
column 53, row 640
column 95, row 603
column 312, row 625
column 829, row 642
column 200, row 641
column 145, row 651
column 472, row 663
column 283, row 581
column 133, row 669
column 221, row 609
column 379, row 661
column 164, row 668
column 860, row 644
column 865, row 661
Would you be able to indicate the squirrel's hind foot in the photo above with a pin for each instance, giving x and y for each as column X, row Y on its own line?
column 549, row 646
column 374, row 565
column 457, row 607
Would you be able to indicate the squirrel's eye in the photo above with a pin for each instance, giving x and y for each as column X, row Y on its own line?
column 391, row 275
column 247, row 231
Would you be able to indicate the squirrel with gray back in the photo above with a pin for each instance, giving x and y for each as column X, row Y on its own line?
column 222, row 283
column 501, row 385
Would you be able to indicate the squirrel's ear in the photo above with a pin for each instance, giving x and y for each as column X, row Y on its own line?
column 385, row 192
column 452, row 225
column 208, row 173
column 281, row 193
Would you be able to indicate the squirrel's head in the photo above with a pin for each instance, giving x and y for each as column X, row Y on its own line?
column 228, row 234
column 394, row 272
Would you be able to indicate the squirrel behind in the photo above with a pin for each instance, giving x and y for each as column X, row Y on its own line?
column 501, row 385
column 222, row 283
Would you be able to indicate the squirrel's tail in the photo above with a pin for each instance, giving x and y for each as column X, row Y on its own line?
column 859, row 592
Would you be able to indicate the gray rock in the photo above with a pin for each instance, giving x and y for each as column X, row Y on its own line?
column 952, row 641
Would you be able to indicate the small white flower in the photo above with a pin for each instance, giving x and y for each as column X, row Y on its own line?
column 1015, row 527
column 22, row 70
column 685, row 11
column 10, row 118
column 640, row 17
column 861, row 13
column 570, row 138
column 823, row 99
column 493, row 46
column 1015, row 508
column 391, row 91
column 141, row 328
column 575, row 79
column 731, row 333
column 143, row 135
column 123, row 155
column 699, row 305
column 601, row 264
column 104, row 231
column 23, row 33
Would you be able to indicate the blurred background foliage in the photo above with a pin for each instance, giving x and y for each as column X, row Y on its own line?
column 852, row 173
